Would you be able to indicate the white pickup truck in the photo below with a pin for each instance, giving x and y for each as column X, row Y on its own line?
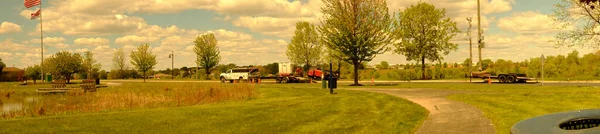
column 241, row 74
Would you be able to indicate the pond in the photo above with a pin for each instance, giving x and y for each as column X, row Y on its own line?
column 17, row 103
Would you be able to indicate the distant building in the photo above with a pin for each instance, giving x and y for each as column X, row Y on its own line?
column 159, row 76
column 11, row 74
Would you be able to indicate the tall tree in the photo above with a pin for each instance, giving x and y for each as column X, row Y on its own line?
column 90, row 64
column 119, row 64
column 64, row 64
column 2, row 65
column 207, row 52
column 103, row 74
column 425, row 34
column 383, row 65
column 33, row 72
column 582, row 19
column 305, row 47
column 356, row 30
column 143, row 59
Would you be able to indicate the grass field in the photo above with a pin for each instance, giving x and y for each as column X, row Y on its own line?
column 507, row 104
column 292, row 108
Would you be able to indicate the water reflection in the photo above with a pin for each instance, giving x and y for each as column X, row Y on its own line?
column 16, row 103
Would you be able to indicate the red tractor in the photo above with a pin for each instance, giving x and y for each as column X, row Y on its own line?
column 316, row 74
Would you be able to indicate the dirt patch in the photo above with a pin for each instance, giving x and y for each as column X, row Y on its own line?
column 445, row 116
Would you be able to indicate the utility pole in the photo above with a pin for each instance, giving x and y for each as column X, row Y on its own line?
column 172, row 62
column 479, row 40
column 470, row 51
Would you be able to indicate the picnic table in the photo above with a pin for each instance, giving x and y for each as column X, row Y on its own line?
column 60, row 86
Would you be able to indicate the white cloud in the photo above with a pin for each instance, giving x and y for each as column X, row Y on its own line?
column 57, row 42
column 8, row 46
column 91, row 41
column 76, row 23
column 135, row 40
column 157, row 31
column 457, row 7
column 108, row 7
column 281, row 27
column 270, row 8
column 222, row 34
column 6, row 56
column 527, row 23
column 59, row 45
column 81, row 50
column 9, row 27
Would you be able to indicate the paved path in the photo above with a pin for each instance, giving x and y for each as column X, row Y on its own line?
column 445, row 116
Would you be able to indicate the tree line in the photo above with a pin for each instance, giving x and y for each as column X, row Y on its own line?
column 352, row 33
column 67, row 65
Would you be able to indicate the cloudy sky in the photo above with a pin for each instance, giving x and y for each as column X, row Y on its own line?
column 249, row 31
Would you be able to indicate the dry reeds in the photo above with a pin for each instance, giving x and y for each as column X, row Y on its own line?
column 6, row 94
column 133, row 97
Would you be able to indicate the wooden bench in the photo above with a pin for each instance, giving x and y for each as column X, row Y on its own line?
column 58, row 86
column 88, row 85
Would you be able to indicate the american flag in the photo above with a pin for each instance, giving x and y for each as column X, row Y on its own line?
column 36, row 14
column 32, row 3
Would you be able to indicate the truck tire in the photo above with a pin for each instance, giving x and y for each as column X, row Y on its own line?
column 502, row 78
column 511, row 79
column 285, row 80
column 223, row 80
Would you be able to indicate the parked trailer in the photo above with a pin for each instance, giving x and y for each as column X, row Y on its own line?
column 287, row 74
column 503, row 78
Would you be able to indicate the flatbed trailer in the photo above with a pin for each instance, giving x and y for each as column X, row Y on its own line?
column 280, row 78
column 286, row 74
column 503, row 78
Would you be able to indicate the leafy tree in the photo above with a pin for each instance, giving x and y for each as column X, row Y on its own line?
column 143, row 59
column 186, row 72
column 485, row 64
column 207, row 52
column 64, row 64
column 2, row 65
column 466, row 63
column 103, row 74
column 33, row 72
column 425, row 33
column 581, row 19
column 119, row 65
column 305, row 48
column 273, row 68
column 90, row 64
column 383, row 65
column 356, row 30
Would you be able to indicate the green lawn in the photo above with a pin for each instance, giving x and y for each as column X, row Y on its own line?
column 507, row 104
column 277, row 108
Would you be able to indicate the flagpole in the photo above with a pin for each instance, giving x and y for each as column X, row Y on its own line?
column 42, row 40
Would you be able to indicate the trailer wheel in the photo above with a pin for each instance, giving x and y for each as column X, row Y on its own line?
column 240, row 80
column 502, row 78
column 511, row 79
column 278, row 80
column 285, row 80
